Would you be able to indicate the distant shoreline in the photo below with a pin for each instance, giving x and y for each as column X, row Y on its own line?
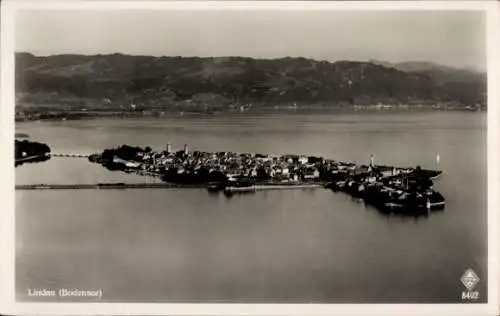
column 95, row 114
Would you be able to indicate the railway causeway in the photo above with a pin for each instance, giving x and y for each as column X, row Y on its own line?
column 104, row 186
column 119, row 186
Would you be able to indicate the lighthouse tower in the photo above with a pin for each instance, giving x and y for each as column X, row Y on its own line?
column 372, row 161
column 169, row 148
column 186, row 151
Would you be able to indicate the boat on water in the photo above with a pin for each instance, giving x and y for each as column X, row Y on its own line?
column 240, row 186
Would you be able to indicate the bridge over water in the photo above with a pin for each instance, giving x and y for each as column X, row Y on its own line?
column 70, row 155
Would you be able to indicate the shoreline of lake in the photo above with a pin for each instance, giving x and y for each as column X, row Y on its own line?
column 72, row 115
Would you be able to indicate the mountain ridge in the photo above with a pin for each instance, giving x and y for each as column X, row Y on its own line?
column 109, row 80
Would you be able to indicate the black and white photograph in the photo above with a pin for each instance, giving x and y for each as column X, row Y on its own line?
column 244, row 154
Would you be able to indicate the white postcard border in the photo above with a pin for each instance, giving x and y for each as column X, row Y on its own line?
column 8, row 305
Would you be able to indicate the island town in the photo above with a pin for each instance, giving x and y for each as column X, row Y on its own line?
column 389, row 188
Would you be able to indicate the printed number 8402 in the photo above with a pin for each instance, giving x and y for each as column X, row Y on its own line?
column 470, row 295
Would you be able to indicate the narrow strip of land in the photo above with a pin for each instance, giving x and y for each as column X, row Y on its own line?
column 114, row 186
column 109, row 186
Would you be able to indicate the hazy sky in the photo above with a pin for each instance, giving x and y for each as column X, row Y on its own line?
column 450, row 38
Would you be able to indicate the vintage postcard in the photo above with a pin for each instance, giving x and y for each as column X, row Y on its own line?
column 256, row 158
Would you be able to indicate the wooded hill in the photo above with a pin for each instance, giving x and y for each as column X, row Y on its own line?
column 116, row 80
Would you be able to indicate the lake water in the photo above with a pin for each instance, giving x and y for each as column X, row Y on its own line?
column 295, row 246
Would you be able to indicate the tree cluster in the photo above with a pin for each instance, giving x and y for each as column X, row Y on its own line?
column 26, row 151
